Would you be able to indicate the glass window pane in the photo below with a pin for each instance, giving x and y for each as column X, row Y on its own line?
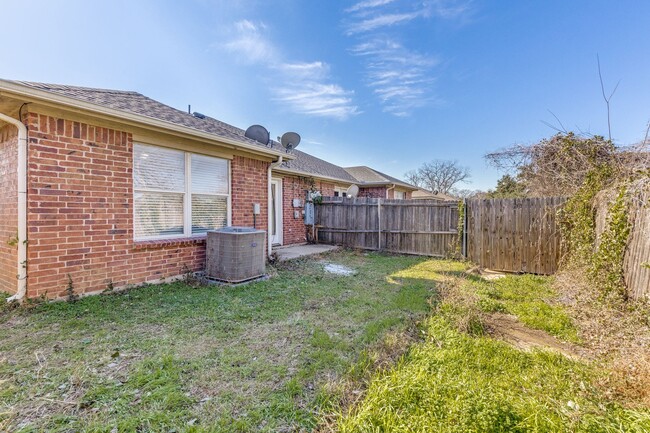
column 209, row 175
column 209, row 212
column 158, row 214
column 158, row 168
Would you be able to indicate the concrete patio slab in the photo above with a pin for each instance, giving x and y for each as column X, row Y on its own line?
column 295, row 251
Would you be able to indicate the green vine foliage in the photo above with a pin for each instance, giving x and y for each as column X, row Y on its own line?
column 461, row 229
column 577, row 217
column 606, row 267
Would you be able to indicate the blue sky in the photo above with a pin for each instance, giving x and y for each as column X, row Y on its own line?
column 389, row 84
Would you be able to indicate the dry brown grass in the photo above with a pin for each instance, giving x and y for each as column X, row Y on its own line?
column 616, row 332
column 350, row 389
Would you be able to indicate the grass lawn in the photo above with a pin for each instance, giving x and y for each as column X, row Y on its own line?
column 302, row 351
column 460, row 379
column 180, row 358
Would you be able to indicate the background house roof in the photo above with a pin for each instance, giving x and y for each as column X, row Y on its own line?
column 137, row 103
column 423, row 194
column 306, row 163
column 367, row 175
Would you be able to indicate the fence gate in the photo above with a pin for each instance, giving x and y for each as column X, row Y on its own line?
column 422, row 227
column 514, row 235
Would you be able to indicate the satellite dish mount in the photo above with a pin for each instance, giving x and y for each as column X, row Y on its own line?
column 290, row 140
column 352, row 191
column 259, row 134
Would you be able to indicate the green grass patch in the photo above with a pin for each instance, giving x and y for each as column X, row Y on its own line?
column 453, row 382
column 175, row 357
column 531, row 299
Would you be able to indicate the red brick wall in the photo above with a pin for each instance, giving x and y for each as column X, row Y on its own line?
column 8, row 208
column 294, row 230
column 249, row 185
column 381, row 192
column 373, row 192
column 80, row 204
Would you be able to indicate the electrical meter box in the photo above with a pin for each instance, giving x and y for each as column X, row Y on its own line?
column 309, row 213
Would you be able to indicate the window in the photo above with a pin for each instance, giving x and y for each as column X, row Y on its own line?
column 399, row 195
column 339, row 192
column 178, row 194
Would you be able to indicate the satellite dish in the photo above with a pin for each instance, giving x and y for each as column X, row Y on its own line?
column 258, row 133
column 353, row 191
column 290, row 140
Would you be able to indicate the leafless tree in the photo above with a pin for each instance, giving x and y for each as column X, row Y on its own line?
column 438, row 175
column 606, row 98
column 466, row 193
column 560, row 164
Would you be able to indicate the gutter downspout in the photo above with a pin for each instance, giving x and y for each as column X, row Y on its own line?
column 388, row 189
column 269, row 205
column 21, row 265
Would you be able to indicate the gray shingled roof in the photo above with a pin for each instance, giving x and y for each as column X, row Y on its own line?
column 369, row 175
column 316, row 166
column 136, row 103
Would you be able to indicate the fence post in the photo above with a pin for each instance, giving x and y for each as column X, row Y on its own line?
column 464, row 234
column 379, row 224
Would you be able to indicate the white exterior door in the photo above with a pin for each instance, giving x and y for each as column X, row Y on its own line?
column 276, row 211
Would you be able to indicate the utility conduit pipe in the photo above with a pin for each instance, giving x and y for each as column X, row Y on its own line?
column 270, row 205
column 21, row 265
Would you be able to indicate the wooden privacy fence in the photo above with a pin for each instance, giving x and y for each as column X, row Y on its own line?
column 423, row 227
column 514, row 234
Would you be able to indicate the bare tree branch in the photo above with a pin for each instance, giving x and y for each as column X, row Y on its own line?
column 606, row 98
column 560, row 122
column 438, row 175
column 560, row 164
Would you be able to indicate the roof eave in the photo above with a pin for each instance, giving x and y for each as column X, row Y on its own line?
column 317, row 176
column 373, row 184
column 50, row 98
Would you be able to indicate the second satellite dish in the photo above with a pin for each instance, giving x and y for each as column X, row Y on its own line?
column 352, row 191
column 290, row 140
column 258, row 133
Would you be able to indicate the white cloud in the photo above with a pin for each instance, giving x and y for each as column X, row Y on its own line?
column 305, row 89
column 400, row 78
column 450, row 9
column 302, row 87
column 367, row 4
column 378, row 21
column 249, row 44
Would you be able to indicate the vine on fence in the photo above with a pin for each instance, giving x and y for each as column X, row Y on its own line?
column 461, row 229
column 577, row 217
column 606, row 267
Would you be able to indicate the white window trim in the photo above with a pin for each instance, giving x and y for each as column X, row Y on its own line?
column 187, row 199
column 342, row 191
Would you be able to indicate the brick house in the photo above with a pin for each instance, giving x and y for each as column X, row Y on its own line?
column 106, row 188
column 375, row 184
column 112, row 188
column 293, row 179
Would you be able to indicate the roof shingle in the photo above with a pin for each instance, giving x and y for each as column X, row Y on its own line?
column 366, row 174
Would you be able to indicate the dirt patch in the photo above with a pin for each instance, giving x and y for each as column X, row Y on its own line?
column 337, row 269
column 507, row 328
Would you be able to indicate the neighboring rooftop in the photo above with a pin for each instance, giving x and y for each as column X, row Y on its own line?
column 305, row 163
column 423, row 194
column 370, row 176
